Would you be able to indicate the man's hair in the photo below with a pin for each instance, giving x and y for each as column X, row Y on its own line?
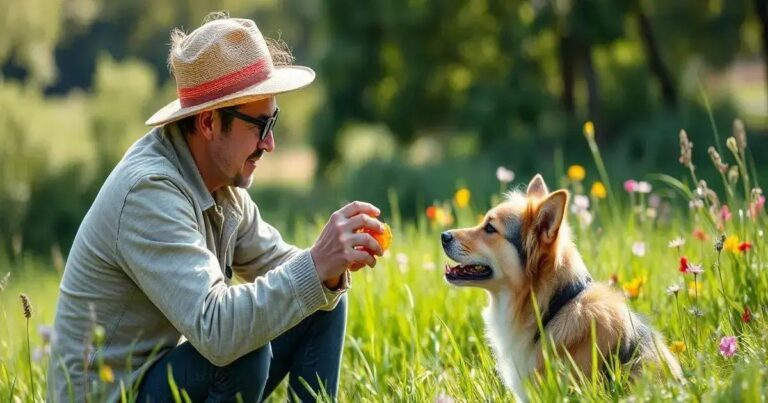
column 278, row 49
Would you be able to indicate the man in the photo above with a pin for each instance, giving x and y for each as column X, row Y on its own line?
column 146, row 294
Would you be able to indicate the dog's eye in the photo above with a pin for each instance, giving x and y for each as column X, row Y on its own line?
column 489, row 229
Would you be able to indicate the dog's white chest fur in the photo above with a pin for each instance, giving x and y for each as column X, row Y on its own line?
column 513, row 347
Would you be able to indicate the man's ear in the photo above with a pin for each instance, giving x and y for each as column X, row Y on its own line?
column 550, row 215
column 204, row 123
column 537, row 187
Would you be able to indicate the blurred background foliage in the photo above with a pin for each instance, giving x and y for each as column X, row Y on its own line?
column 415, row 96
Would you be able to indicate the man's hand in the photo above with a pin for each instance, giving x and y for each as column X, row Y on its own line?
column 339, row 246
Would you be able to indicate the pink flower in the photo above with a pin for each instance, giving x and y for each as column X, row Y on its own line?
column 728, row 346
column 630, row 185
column 725, row 213
column 756, row 207
column 504, row 175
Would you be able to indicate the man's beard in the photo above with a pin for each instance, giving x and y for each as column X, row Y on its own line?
column 243, row 181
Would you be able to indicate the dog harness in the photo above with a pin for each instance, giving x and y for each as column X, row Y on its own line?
column 560, row 299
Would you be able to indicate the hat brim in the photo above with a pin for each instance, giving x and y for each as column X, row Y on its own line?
column 283, row 79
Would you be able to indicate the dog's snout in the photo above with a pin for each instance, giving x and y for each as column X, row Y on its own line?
column 446, row 237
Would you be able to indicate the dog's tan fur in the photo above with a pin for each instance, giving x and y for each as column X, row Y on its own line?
column 549, row 262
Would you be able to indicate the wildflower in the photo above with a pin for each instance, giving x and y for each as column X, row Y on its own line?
column 4, row 281
column 676, row 243
column 725, row 213
column 719, row 164
column 431, row 212
column 99, row 333
column 696, row 204
column 643, row 187
column 589, row 129
column 740, row 134
column 673, row 289
column 106, row 374
column 728, row 344
column 731, row 244
column 26, row 305
column 686, row 148
column 683, row 264
column 462, row 197
column 756, row 207
column 630, row 185
column 720, row 243
column 695, row 311
column 632, row 289
column 504, row 175
column 677, row 347
column 598, row 190
column 46, row 333
column 731, row 144
column 733, row 175
column 576, row 173
column 580, row 203
column 443, row 217
column 585, row 218
column 638, row 248
column 694, row 290
column 745, row 246
column 654, row 200
column 402, row 259
column 429, row 266
column 444, row 398
column 695, row 269
column 699, row 234
column 746, row 316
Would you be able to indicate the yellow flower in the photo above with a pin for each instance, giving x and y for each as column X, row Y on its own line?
column 106, row 374
column 677, row 347
column 589, row 129
column 695, row 288
column 598, row 190
column 576, row 172
column 731, row 244
column 462, row 197
column 443, row 217
column 633, row 288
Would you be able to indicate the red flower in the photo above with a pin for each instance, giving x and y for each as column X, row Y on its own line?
column 745, row 246
column 683, row 264
column 431, row 212
column 746, row 316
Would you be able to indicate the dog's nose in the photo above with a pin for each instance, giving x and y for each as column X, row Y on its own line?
column 446, row 237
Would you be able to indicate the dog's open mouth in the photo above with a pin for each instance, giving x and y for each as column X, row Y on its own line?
column 471, row 272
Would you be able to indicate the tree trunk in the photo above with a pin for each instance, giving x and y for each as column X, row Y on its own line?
column 761, row 7
column 658, row 68
column 567, row 62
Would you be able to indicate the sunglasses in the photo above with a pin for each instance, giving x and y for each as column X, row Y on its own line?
column 266, row 124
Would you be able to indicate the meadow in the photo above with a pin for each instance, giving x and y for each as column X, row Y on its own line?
column 689, row 258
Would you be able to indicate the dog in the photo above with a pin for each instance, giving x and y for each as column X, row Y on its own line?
column 521, row 252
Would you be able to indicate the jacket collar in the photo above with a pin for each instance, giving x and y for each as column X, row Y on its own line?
column 187, row 166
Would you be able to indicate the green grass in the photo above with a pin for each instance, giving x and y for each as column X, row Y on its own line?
column 412, row 337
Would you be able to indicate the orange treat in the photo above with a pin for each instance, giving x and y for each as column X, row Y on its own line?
column 384, row 239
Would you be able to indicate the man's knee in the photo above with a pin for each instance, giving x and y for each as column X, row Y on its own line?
column 247, row 375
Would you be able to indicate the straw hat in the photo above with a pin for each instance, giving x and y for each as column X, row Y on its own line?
column 225, row 62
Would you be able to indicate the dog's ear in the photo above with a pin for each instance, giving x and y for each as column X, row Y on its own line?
column 550, row 215
column 537, row 187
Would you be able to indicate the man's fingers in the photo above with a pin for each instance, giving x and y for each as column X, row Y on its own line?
column 358, row 207
column 360, row 259
column 365, row 222
column 366, row 241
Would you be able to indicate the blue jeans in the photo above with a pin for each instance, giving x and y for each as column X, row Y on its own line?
column 310, row 351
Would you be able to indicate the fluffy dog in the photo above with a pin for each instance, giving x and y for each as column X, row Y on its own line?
column 522, row 252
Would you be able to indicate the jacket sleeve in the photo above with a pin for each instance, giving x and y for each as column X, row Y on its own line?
column 160, row 247
column 260, row 248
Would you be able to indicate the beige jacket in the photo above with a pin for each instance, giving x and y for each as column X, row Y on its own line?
column 153, row 261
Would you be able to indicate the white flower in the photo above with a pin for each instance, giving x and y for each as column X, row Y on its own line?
column 696, row 204
column 695, row 268
column 504, row 175
column 638, row 248
column 643, row 187
column 676, row 243
column 580, row 203
column 46, row 333
column 585, row 218
column 401, row 258
column 429, row 266
column 673, row 289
